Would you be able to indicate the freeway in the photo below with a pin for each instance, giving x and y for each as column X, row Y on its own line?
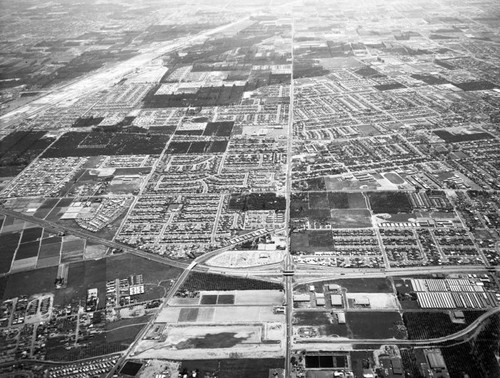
column 81, row 233
column 84, row 234
column 106, row 77
column 288, row 263
column 309, row 273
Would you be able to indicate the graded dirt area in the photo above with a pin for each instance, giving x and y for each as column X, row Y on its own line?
column 377, row 300
column 214, row 341
column 218, row 324
column 341, row 218
column 157, row 367
column 259, row 297
column 242, row 259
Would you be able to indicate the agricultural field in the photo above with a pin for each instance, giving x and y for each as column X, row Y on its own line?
column 477, row 357
column 97, row 143
column 9, row 242
column 197, row 147
column 257, row 201
column 218, row 313
column 19, row 148
column 208, row 281
column 246, row 368
column 30, row 282
column 27, row 246
column 423, row 325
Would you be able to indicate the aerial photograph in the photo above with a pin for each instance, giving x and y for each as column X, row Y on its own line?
column 250, row 188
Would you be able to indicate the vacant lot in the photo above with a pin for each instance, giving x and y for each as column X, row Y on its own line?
column 339, row 200
column 124, row 265
column 82, row 276
column 299, row 241
column 375, row 325
column 323, row 322
column 350, row 219
column 312, row 241
column 29, row 283
column 361, row 285
column 125, row 331
column 312, row 318
column 318, row 200
column 377, row 301
column 333, row 200
column 180, row 340
column 337, row 184
column 366, row 285
column 389, row 202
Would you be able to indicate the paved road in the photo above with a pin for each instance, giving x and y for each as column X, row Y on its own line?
column 288, row 263
column 307, row 275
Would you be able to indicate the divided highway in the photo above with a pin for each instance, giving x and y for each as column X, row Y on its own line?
column 88, row 235
column 81, row 233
